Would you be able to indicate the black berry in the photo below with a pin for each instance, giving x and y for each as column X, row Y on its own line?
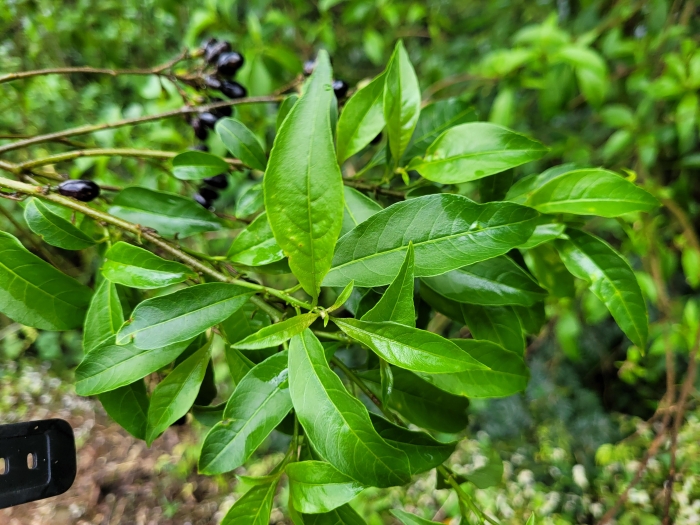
column 200, row 147
column 82, row 190
column 208, row 43
column 212, row 82
column 212, row 52
column 208, row 119
column 340, row 88
column 233, row 89
column 309, row 66
column 224, row 111
column 220, row 181
column 229, row 63
column 200, row 130
column 208, row 193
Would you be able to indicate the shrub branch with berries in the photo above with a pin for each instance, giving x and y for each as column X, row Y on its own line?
column 363, row 207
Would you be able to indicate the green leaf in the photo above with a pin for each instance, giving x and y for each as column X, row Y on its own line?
column 112, row 366
column 242, row 143
column 208, row 415
column 475, row 150
column 255, row 506
column 447, row 231
column 250, row 201
column 532, row 318
column 34, row 293
column 495, row 187
column 138, row 268
column 358, row 208
column 420, row 402
column 397, row 302
column 545, row 232
column 285, row 107
column 434, row 119
column 521, row 191
column 343, row 515
column 338, row 424
column 611, row 280
column 499, row 324
column 238, row 364
column 497, row 281
column 422, row 450
column 408, row 347
column 175, row 395
column 532, row 520
column 316, row 487
column 343, row 296
column 506, row 374
column 256, row 245
column 128, row 406
column 488, row 475
column 410, row 519
column 361, row 120
column 259, row 403
column 55, row 230
column 545, row 263
column 104, row 317
column 198, row 165
column 245, row 321
column 401, row 101
column 303, row 183
column 168, row 213
column 591, row 192
column 181, row 315
column 277, row 333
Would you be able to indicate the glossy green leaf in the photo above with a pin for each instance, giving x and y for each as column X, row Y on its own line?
column 361, row 120
column 239, row 365
column 316, row 487
column 128, row 406
column 54, row 229
column 168, row 213
column 532, row 520
column 591, row 192
column 358, row 208
column 338, row 424
column 420, row 402
column 138, row 268
column 434, row 119
column 611, row 280
column 245, row 321
column 401, row 101
column 303, row 183
column 181, row 315
column 285, row 107
column 175, row 395
column 250, row 201
column 255, row 506
column 256, row 245
column 343, row 296
column 198, row 165
column 259, row 403
column 447, row 231
column 544, row 262
column 506, row 375
column 241, row 142
column 277, row 333
column 424, row 452
column 499, row 324
column 34, row 293
column 397, row 302
column 521, row 191
column 104, row 317
column 532, row 318
column 208, row 415
column 343, row 515
column 545, row 232
column 474, row 150
column 410, row 519
column 497, row 281
column 112, row 366
column 408, row 347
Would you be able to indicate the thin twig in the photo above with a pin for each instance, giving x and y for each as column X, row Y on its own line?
column 368, row 187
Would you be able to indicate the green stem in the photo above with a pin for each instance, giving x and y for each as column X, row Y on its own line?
column 361, row 385
column 449, row 477
column 334, row 336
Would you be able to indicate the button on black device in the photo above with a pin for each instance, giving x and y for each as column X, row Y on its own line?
column 37, row 461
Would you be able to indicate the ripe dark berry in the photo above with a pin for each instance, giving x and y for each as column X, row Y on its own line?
column 208, row 43
column 212, row 82
column 309, row 66
column 340, row 88
column 211, row 53
column 200, row 130
column 208, row 119
column 220, row 181
column 224, row 111
column 200, row 147
column 208, row 193
column 233, row 89
column 229, row 63
column 82, row 190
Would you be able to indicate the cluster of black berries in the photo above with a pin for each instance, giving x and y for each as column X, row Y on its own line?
column 227, row 64
column 207, row 193
column 82, row 190
column 340, row 87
